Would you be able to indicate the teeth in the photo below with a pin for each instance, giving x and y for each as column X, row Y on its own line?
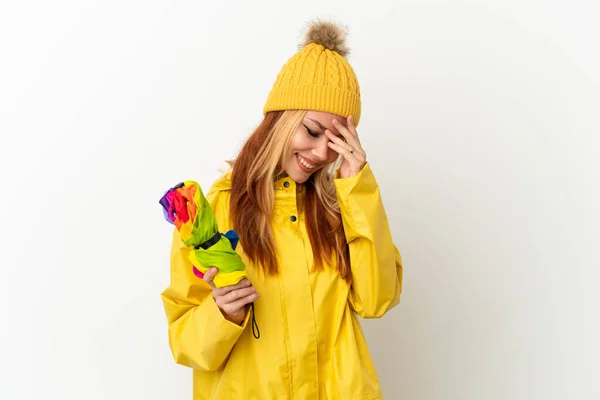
column 303, row 162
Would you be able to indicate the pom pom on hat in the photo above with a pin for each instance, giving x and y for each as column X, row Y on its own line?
column 329, row 35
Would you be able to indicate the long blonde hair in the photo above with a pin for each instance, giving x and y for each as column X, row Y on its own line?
column 255, row 169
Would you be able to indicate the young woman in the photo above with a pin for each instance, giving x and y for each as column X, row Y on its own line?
column 315, row 240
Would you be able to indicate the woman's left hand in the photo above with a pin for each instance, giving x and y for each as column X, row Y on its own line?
column 355, row 157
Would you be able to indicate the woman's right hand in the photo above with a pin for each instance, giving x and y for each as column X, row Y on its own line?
column 232, row 300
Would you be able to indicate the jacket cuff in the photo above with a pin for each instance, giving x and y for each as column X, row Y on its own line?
column 359, row 198
column 216, row 333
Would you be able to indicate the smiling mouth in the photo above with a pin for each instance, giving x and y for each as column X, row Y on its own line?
column 307, row 166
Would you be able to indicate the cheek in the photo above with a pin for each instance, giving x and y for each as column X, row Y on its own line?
column 298, row 143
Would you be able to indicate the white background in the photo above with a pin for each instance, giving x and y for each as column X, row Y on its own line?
column 481, row 122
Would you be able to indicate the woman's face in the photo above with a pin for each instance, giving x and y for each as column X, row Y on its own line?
column 308, row 150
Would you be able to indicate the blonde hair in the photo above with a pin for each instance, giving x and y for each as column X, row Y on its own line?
column 257, row 166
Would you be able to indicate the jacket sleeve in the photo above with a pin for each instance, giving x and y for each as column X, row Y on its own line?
column 375, row 261
column 199, row 336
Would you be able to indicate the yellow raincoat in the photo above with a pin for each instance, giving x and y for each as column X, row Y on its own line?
column 311, row 344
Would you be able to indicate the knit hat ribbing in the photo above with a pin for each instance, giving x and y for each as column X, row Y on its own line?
column 318, row 77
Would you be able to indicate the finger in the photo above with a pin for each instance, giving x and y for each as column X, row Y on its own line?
column 359, row 153
column 346, row 131
column 234, row 295
column 350, row 135
column 209, row 276
column 237, row 305
column 352, row 127
column 222, row 291
column 244, row 283
column 337, row 140
column 347, row 153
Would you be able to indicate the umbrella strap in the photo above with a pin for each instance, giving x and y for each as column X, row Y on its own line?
column 255, row 330
column 210, row 242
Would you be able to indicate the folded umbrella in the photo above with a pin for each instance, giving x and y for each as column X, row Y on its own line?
column 185, row 206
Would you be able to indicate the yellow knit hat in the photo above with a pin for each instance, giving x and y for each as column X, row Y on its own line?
column 318, row 77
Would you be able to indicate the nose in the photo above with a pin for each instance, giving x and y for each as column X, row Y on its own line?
column 321, row 150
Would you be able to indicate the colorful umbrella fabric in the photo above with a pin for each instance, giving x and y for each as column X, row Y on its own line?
column 185, row 206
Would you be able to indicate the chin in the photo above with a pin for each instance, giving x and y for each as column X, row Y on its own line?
column 299, row 176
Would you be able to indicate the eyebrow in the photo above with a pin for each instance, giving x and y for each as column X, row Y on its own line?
column 318, row 123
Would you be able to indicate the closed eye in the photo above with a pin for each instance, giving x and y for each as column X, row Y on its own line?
column 311, row 133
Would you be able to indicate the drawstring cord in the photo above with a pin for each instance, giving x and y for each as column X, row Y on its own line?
column 255, row 330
